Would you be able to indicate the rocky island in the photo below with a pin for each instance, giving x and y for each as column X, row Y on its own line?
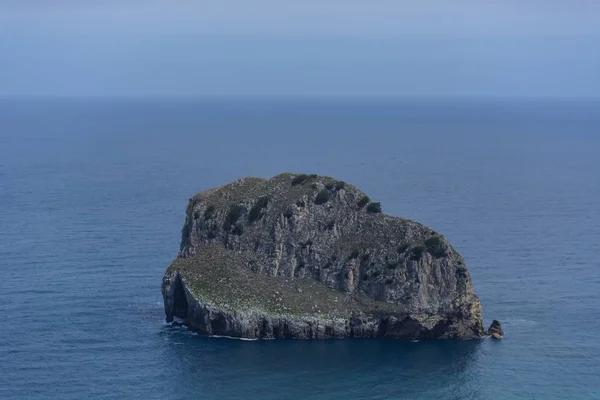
column 308, row 256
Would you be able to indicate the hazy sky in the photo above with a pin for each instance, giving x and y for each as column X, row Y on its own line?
column 510, row 48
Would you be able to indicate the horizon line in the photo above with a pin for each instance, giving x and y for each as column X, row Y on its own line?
column 294, row 97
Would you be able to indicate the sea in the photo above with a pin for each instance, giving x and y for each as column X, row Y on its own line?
column 92, row 200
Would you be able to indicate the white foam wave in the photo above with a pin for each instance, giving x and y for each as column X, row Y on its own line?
column 231, row 337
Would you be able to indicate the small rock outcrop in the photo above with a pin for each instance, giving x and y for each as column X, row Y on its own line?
column 307, row 256
column 495, row 330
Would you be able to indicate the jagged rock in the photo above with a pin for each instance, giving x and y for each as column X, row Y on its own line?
column 306, row 256
column 495, row 330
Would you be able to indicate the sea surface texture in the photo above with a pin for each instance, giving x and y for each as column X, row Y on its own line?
column 92, row 202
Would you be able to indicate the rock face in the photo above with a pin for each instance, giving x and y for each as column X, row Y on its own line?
column 306, row 256
column 495, row 330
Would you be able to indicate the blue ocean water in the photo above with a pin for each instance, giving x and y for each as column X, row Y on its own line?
column 92, row 201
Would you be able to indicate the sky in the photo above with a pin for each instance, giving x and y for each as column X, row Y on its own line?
column 426, row 48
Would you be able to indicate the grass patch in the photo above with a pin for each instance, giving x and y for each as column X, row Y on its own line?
column 209, row 212
column 241, row 289
column 436, row 247
column 374, row 207
column 238, row 229
column 363, row 201
column 322, row 197
column 256, row 212
column 417, row 252
column 403, row 248
column 235, row 212
column 393, row 264
column 299, row 179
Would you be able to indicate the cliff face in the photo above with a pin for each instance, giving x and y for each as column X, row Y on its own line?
column 311, row 257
